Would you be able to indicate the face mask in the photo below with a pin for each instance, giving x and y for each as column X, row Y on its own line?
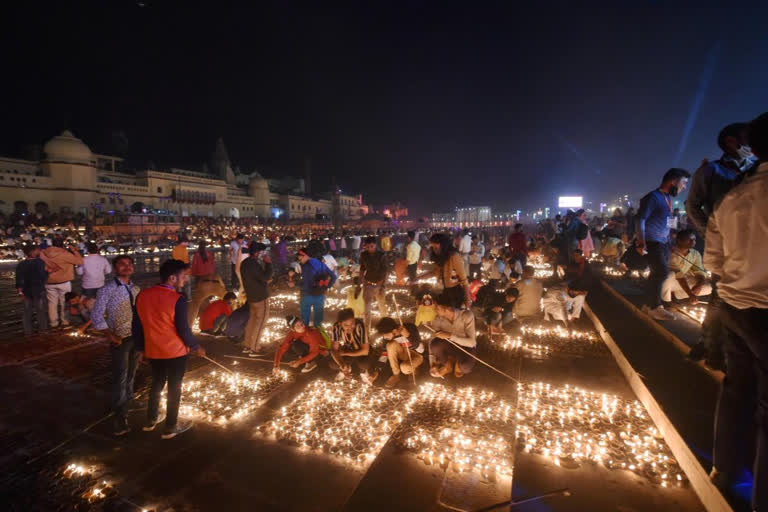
column 745, row 152
column 673, row 190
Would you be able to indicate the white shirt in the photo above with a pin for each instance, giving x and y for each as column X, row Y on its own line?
column 234, row 245
column 356, row 242
column 93, row 270
column 330, row 262
column 478, row 251
column 465, row 245
column 737, row 243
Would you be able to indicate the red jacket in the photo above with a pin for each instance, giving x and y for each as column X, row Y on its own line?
column 310, row 337
column 212, row 312
column 518, row 242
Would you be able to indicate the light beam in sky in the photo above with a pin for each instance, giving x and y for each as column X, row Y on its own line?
column 693, row 113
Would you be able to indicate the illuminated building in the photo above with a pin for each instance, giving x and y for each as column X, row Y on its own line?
column 67, row 177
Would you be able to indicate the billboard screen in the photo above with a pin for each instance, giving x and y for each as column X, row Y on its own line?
column 569, row 202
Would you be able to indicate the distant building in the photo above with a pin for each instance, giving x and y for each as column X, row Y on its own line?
column 67, row 177
column 473, row 215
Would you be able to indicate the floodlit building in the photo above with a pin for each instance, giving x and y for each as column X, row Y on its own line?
column 473, row 215
column 68, row 178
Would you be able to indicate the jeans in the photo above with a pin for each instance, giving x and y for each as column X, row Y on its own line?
column 712, row 328
column 658, row 260
column 57, row 307
column 38, row 306
column 124, row 361
column 299, row 348
column 743, row 397
column 258, row 312
column 171, row 371
column 445, row 352
column 307, row 304
column 90, row 293
column 412, row 271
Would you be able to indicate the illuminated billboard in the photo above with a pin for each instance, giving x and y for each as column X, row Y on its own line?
column 570, row 202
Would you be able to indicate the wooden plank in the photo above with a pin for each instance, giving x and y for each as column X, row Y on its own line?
column 710, row 497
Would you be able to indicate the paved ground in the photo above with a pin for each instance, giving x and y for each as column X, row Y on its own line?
column 241, row 466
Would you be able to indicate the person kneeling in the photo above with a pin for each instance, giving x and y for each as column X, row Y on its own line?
column 453, row 328
column 349, row 344
column 500, row 310
column 306, row 342
column 214, row 318
column 403, row 343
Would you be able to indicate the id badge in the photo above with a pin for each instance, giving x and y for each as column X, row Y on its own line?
column 672, row 222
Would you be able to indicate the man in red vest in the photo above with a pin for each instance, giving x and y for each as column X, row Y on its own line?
column 162, row 335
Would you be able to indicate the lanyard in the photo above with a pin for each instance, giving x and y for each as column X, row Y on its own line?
column 668, row 200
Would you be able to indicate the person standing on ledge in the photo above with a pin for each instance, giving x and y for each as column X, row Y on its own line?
column 654, row 220
column 162, row 335
column 737, row 234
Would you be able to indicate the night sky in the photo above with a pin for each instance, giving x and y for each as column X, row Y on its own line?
column 432, row 105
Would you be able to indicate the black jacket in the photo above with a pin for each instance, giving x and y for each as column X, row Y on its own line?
column 255, row 277
column 31, row 277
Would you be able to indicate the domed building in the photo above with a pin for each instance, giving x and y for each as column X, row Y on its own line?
column 69, row 178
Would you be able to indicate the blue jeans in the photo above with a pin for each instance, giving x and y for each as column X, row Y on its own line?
column 124, row 363
column 90, row 293
column 39, row 306
column 307, row 303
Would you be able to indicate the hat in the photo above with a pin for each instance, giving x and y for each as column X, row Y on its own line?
column 291, row 320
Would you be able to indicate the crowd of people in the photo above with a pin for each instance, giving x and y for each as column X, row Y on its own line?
column 486, row 277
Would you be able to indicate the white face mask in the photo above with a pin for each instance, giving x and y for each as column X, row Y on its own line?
column 745, row 152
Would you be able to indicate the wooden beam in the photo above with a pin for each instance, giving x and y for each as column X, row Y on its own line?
column 710, row 497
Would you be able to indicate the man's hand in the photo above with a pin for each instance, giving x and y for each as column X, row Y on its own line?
column 694, row 300
column 443, row 334
column 294, row 364
column 199, row 351
column 114, row 339
column 696, row 290
column 497, row 309
column 640, row 244
column 346, row 368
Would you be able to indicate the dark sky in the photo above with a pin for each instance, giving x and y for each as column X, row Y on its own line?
column 434, row 104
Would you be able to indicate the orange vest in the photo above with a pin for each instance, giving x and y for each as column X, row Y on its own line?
column 156, row 308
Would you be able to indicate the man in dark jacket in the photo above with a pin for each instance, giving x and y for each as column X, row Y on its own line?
column 374, row 270
column 30, row 283
column 256, row 271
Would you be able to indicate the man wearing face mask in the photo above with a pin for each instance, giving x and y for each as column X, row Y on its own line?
column 714, row 179
column 709, row 185
column 654, row 220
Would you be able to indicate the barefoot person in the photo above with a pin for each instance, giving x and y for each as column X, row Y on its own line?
column 400, row 340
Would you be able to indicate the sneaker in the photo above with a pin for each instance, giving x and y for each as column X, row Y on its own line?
column 150, row 425
column 179, row 428
column 662, row 314
column 246, row 350
column 341, row 376
column 369, row 379
column 257, row 353
column 392, row 381
column 309, row 367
